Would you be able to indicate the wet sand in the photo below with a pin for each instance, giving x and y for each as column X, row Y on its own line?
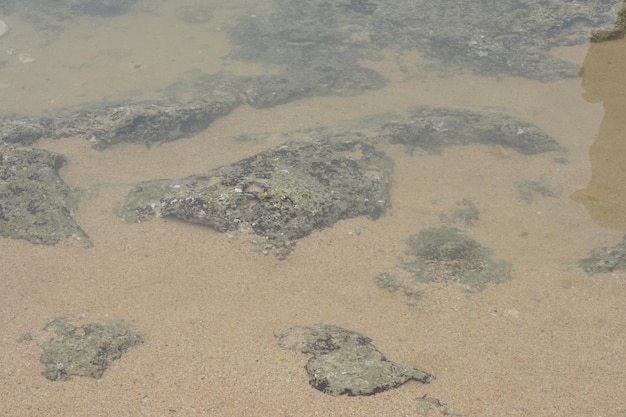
column 550, row 342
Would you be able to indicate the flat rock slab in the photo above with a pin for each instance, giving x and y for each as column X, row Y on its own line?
column 345, row 362
column 35, row 203
column 279, row 195
column 148, row 123
column 432, row 129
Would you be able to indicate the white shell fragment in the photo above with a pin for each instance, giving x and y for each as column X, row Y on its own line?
column 4, row 28
column 25, row 58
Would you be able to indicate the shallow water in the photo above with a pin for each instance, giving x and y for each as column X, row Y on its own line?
column 549, row 342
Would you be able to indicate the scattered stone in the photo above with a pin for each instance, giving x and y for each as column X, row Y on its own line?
column 605, row 260
column 280, row 195
column 319, row 45
column 345, row 362
column 35, row 203
column 84, row 350
column 283, row 194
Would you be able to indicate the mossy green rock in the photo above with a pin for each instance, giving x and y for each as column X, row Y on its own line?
column 493, row 38
column 35, row 203
column 446, row 255
column 345, row 362
column 442, row 256
column 432, row 129
column 607, row 259
column 85, row 350
column 279, row 195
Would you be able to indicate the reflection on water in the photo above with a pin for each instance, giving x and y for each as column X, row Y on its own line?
column 604, row 80
column 469, row 268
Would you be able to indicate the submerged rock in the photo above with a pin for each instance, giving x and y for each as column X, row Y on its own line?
column 512, row 37
column 84, row 350
column 319, row 46
column 147, row 123
column 617, row 32
column 603, row 260
column 280, row 195
column 446, row 254
column 543, row 186
column 443, row 255
column 345, row 362
column 35, row 203
column 432, row 129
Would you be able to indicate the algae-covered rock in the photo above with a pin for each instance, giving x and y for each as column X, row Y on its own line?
column 337, row 79
column 446, row 254
column 543, row 186
column 493, row 38
column 432, row 129
column 35, row 203
column 147, row 123
column 618, row 28
column 395, row 284
column 280, row 195
column 466, row 213
column 603, row 260
column 316, row 48
column 84, row 350
column 442, row 256
column 151, row 122
column 345, row 362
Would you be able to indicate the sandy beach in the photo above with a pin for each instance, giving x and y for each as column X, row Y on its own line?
column 549, row 342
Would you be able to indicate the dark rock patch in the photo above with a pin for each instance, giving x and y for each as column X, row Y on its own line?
column 443, row 256
column 35, row 203
column 432, row 129
column 607, row 259
column 280, row 195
